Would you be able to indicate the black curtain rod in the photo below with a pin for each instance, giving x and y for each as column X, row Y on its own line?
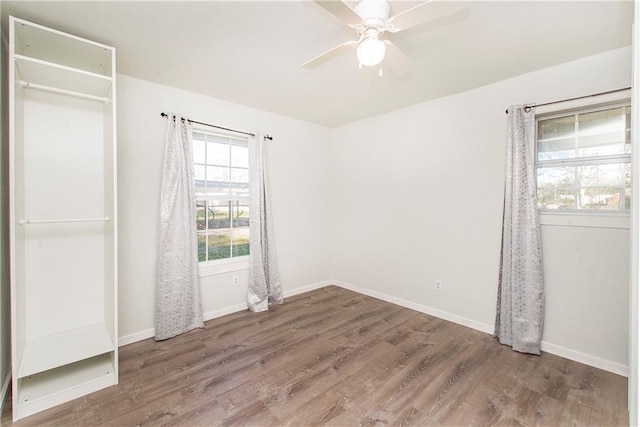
column 219, row 127
column 576, row 98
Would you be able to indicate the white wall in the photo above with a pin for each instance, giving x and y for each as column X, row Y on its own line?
column 299, row 162
column 418, row 196
column 388, row 205
column 586, row 290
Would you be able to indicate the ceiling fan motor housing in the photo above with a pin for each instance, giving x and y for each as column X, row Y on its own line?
column 373, row 12
column 371, row 19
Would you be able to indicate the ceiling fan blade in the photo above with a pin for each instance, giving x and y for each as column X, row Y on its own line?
column 424, row 12
column 341, row 10
column 330, row 54
column 395, row 60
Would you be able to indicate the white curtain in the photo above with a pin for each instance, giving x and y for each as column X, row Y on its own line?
column 178, row 306
column 264, row 279
column 520, row 308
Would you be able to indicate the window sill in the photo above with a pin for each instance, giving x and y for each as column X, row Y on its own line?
column 617, row 220
column 213, row 268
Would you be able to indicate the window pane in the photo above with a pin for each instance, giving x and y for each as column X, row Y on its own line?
column 240, row 215
column 239, row 175
column 240, row 189
column 556, row 188
column 198, row 150
column 240, row 240
column 561, row 128
column 588, row 187
column 218, row 215
column 593, row 134
column 199, row 172
column 556, row 138
column 219, row 244
column 217, row 154
column 240, row 156
column 602, row 133
column 604, row 121
column 600, row 198
column 201, row 223
column 558, row 176
column 602, row 175
column 217, row 180
column 557, row 149
column 217, row 174
column 202, row 247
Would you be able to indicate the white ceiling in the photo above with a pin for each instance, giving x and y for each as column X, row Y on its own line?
column 251, row 53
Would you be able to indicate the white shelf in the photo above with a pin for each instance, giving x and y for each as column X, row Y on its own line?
column 48, row 352
column 56, row 386
column 32, row 70
column 50, row 45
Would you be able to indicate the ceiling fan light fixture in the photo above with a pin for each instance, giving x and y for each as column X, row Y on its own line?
column 371, row 51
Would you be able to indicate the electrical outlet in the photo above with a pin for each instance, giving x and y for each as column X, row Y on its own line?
column 236, row 281
column 438, row 285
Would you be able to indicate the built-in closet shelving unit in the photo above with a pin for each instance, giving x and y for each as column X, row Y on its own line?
column 63, row 217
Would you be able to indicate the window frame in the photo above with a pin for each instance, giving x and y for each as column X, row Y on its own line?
column 583, row 217
column 224, row 265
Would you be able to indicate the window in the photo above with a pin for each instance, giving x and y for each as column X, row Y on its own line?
column 221, row 169
column 583, row 160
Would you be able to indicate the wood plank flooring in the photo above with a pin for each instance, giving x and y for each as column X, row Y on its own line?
column 335, row 357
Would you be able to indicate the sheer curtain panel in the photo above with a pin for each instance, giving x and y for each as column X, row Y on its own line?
column 519, row 311
column 264, row 279
column 178, row 306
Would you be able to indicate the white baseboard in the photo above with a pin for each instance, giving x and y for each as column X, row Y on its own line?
column 150, row 333
column 311, row 287
column 5, row 390
column 567, row 353
column 483, row 327
column 587, row 359
column 135, row 337
column 213, row 314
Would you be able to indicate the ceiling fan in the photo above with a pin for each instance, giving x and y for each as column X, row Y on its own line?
column 371, row 19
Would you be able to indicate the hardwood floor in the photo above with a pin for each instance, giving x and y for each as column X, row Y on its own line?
column 335, row 357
